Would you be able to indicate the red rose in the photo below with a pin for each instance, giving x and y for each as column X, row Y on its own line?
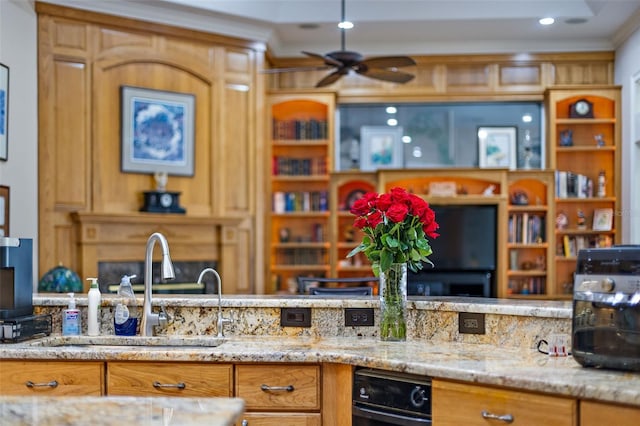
column 397, row 212
column 384, row 202
column 360, row 207
column 418, row 206
column 374, row 219
column 360, row 222
column 399, row 195
column 430, row 229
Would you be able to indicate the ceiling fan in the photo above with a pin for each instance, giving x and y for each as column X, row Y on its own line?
column 383, row 68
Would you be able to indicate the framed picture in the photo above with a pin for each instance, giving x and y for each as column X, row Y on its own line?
column 380, row 147
column 497, row 147
column 157, row 131
column 4, row 111
column 602, row 219
column 4, row 211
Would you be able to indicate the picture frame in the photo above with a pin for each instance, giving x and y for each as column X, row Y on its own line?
column 603, row 219
column 497, row 147
column 4, row 211
column 4, row 112
column 380, row 148
column 157, row 131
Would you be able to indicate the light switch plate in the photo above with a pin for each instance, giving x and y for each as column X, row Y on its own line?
column 471, row 323
column 295, row 317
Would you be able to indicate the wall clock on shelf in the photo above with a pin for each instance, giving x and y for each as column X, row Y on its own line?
column 581, row 108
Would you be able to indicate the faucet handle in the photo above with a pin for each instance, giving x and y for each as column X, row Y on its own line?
column 164, row 319
column 222, row 321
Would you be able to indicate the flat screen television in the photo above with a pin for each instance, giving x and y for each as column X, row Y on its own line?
column 468, row 238
column 464, row 255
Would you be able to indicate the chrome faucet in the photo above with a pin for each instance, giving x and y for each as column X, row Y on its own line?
column 149, row 319
column 221, row 320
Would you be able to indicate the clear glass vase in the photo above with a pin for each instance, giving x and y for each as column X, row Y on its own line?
column 393, row 303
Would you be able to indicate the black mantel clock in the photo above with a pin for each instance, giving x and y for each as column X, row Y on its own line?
column 162, row 202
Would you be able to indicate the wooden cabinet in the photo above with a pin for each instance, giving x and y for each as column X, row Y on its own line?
column 169, row 379
column 51, row 378
column 301, row 158
column 464, row 404
column 584, row 152
column 279, row 393
column 530, row 233
column 598, row 413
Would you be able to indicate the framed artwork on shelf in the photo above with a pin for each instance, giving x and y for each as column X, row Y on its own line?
column 497, row 147
column 4, row 211
column 380, row 148
column 4, row 111
column 157, row 131
column 602, row 219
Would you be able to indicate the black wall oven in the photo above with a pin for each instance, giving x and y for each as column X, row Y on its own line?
column 384, row 398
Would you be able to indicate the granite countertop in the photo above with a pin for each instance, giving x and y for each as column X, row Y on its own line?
column 120, row 410
column 519, row 368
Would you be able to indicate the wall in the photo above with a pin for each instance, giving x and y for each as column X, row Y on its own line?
column 627, row 70
column 19, row 172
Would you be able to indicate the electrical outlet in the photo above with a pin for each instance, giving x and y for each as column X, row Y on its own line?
column 358, row 317
column 295, row 317
column 471, row 323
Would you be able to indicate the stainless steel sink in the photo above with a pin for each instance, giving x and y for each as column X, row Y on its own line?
column 153, row 341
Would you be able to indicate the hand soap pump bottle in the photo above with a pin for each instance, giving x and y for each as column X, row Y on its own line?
column 125, row 321
column 71, row 319
column 93, row 317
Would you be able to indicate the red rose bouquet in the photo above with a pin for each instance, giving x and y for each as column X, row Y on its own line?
column 396, row 227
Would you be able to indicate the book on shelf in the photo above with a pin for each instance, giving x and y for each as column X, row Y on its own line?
column 527, row 228
column 290, row 166
column 572, row 244
column 300, row 201
column 573, row 185
column 310, row 129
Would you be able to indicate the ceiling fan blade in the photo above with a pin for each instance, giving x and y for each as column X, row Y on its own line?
column 389, row 62
column 326, row 59
column 293, row 69
column 386, row 75
column 331, row 78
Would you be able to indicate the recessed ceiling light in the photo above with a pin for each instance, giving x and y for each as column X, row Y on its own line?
column 406, row 139
column 576, row 21
column 391, row 110
column 392, row 122
column 308, row 26
column 345, row 25
column 546, row 21
column 527, row 118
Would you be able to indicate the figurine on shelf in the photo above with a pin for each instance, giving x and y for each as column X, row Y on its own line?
column 566, row 137
column 581, row 220
column 489, row 190
column 599, row 140
column 519, row 198
column 562, row 221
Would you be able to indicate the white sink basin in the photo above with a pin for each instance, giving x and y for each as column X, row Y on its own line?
column 171, row 341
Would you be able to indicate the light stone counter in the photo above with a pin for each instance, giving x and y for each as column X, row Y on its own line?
column 98, row 411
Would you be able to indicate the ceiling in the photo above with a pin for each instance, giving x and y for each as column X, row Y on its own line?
column 412, row 27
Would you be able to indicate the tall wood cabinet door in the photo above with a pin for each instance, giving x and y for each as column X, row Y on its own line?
column 457, row 404
column 169, row 379
column 597, row 413
column 51, row 378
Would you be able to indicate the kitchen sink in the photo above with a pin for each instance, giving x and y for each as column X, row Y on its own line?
column 176, row 341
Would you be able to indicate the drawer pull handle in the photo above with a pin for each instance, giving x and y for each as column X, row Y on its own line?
column 51, row 384
column 245, row 423
column 267, row 388
column 507, row 418
column 159, row 385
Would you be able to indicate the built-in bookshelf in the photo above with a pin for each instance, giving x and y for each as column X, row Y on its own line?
column 298, row 222
column 584, row 151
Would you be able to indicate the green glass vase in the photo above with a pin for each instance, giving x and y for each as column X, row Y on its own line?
column 393, row 303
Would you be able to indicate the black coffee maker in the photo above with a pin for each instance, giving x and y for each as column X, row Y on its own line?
column 16, row 277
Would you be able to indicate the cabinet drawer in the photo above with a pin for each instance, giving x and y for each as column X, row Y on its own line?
column 281, row 419
column 463, row 404
column 597, row 413
column 279, row 387
column 169, row 379
column 51, row 378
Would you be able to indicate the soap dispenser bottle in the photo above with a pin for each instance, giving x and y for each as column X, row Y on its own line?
column 93, row 316
column 71, row 318
column 125, row 321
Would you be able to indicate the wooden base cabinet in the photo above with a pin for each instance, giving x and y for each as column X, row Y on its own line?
column 169, row 379
column 277, row 394
column 598, row 413
column 51, row 378
column 457, row 404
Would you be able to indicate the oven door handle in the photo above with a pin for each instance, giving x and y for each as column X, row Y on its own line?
column 387, row 418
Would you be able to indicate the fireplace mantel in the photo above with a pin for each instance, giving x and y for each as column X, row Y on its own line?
column 118, row 237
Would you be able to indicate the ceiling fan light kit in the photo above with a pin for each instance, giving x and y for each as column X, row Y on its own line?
column 383, row 68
